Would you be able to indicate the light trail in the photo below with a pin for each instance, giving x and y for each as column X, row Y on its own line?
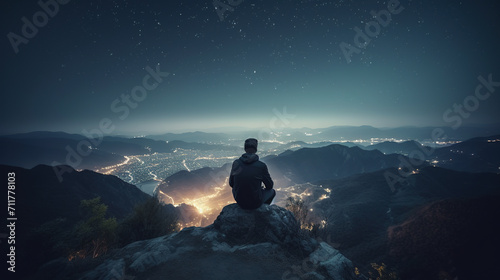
column 154, row 175
column 184, row 163
column 130, row 175
column 110, row 169
column 169, row 197
column 215, row 158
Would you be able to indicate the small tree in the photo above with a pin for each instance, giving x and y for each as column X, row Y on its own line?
column 95, row 234
column 383, row 273
column 150, row 219
column 299, row 209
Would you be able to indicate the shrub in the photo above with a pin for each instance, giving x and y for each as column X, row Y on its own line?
column 95, row 234
column 150, row 219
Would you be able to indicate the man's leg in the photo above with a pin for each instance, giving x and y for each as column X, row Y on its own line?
column 268, row 196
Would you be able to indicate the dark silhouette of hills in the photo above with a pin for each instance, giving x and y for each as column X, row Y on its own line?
column 362, row 208
column 389, row 147
column 30, row 149
column 333, row 133
column 451, row 238
column 137, row 146
column 365, row 132
column 481, row 154
column 27, row 153
column 45, row 134
column 330, row 162
column 197, row 136
column 42, row 199
column 409, row 132
column 295, row 145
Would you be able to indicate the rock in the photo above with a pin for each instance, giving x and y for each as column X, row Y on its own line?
column 110, row 269
column 241, row 244
column 336, row 264
column 264, row 224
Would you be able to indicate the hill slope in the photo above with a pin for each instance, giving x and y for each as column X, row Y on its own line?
column 40, row 199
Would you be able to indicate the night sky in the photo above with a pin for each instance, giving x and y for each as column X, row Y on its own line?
column 238, row 67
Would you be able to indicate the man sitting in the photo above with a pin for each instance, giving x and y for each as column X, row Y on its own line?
column 246, row 178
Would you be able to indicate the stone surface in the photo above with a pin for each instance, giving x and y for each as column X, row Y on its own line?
column 264, row 224
column 260, row 244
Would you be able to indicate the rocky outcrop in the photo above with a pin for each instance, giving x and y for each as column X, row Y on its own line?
column 259, row 244
column 265, row 224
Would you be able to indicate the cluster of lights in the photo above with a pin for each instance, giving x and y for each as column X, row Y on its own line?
column 376, row 140
column 111, row 169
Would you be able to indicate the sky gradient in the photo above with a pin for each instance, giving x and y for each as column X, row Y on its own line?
column 238, row 68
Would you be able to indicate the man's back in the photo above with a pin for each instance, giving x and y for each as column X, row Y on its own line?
column 246, row 178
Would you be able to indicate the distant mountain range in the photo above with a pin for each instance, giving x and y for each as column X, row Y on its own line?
column 30, row 149
column 330, row 162
column 481, row 154
column 391, row 147
column 197, row 136
column 30, row 152
column 334, row 133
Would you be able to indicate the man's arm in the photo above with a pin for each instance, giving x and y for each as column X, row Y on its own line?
column 231, row 174
column 268, row 182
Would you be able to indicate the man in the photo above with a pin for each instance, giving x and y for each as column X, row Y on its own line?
column 246, row 178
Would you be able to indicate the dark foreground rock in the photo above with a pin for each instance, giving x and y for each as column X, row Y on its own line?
column 261, row 244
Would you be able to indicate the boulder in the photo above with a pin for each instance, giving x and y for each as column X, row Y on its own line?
column 268, row 223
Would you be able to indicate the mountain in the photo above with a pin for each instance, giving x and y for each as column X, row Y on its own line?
column 441, row 237
column 481, row 154
column 361, row 211
column 44, row 135
column 30, row 149
column 333, row 133
column 40, row 187
column 138, row 146
column 29, row 152
column 197, row 136
column 365, row 132
column 240, row 244
column 351, row 132
column 40, row 199
column 409, row 132
column 295, row 145
column 390, row 147
column 330, row 162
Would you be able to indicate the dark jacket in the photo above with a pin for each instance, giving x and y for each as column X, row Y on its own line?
column 246, row 178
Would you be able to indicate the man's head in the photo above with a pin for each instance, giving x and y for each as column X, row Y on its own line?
column 251, row 145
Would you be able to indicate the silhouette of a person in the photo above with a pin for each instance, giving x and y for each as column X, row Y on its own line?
column 246, row 178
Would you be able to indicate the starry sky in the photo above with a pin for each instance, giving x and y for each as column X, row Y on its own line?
column 220, row 64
